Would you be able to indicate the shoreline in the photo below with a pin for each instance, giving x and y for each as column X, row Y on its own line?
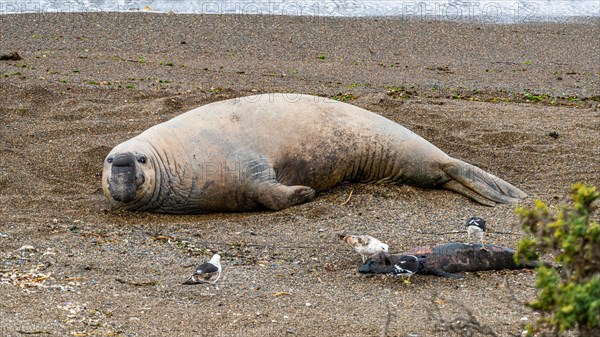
column 572, row 19
column 484, row 12
column 323, row 55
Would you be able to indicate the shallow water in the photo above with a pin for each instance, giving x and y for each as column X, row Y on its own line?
column 502, row 11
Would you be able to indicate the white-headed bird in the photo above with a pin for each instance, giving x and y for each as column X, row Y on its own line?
column 208, row 272
column 476, row 227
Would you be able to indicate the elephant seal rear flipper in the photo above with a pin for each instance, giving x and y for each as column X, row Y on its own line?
column 479, row 185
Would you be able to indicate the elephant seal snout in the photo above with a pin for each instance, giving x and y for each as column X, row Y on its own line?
column 123, row 184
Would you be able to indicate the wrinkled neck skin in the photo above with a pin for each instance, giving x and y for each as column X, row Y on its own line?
column 150, row 198
column 175, row 185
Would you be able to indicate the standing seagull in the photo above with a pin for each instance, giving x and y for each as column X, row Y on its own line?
column 408, row 265
column 476, row 226
column 208, row 272
column 364, row 244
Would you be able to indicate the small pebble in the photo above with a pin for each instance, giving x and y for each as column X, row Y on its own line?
column 14, row 56
column 308, row 304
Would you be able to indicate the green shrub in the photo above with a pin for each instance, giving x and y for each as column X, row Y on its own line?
column 569, row 297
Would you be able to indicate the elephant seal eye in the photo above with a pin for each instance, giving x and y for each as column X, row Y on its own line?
column 109, row 160
column 142, row 160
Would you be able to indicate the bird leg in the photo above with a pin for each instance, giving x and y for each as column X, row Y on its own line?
column 482, row 244
column 469, row 238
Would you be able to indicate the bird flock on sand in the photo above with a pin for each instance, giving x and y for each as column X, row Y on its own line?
column 209, row 272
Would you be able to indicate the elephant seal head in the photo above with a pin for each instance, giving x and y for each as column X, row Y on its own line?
column 129, row 176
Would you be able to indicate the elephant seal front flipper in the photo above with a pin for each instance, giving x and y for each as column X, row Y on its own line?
column 276, row 196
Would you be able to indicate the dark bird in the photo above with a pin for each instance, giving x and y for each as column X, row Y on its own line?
column 208, row 272
column 476, row 226
column 406, row 267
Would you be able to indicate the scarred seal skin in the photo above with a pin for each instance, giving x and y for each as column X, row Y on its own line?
column 273, row 151
column 448, row 259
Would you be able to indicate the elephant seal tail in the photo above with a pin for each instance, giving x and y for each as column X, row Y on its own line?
column 477, row 184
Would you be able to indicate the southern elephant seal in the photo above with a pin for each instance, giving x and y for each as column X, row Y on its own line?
column 273, row 151
column 448, row 259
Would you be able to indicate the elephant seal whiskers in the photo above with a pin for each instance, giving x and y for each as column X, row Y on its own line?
column 273, row 151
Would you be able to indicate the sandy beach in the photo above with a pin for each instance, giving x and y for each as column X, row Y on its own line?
column 520, row 101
